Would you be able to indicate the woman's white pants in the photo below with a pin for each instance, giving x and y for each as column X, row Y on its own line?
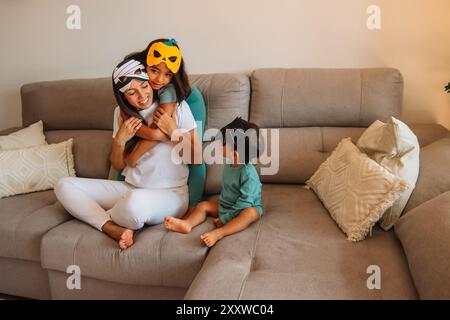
column 97, row 201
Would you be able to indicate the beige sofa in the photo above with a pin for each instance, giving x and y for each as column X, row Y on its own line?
column 296, row 251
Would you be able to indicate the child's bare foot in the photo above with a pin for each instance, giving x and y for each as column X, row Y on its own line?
column 126, row 239
column 210, row 238
column 177, row 225
column 218, row 223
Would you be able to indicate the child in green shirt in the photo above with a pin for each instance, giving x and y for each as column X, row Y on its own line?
column 239, row 203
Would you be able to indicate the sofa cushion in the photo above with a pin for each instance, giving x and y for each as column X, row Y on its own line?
column 296, row 251
column 226, row 97
column 302, row 150
column 434, row 177
column 428, row 133
column 31, row 136
column 73, row 104
column 91, row 150
column 157, row 258
column 425, row 236
column 324, row 97
column 24, row 219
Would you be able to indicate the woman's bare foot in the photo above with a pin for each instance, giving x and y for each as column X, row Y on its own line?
column 218, row 223
column 177, row 225
column 126, row 239
column 122, row 235
column 210, row 238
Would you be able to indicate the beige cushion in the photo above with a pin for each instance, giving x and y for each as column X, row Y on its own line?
column 34, row 169
column 308, row 97
column 434, row 177
column 355, row 189
column 30, row 136
column 297, row 252
column 395, row 147
column 157, row 258
column 24, row 219
column 425, row 235
column 91, row 150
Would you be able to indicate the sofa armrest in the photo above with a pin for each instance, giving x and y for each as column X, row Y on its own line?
column 7, row 131
column 433, row 177
column 429, row 133
column 425, row 235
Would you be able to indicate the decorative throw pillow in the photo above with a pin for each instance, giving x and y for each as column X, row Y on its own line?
column 30, row 136
column 35, row 169
column 355, row 189
column 395, row 147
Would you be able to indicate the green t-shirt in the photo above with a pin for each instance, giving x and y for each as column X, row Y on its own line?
column 241, row 189
column 167, row 94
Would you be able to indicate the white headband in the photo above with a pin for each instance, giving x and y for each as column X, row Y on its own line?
column 127, row 71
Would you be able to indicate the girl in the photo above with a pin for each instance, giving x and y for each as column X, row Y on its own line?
column 155, row 187
column 167, row 76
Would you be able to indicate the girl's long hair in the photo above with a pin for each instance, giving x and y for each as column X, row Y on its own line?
column 179, row 80
column 129, row 110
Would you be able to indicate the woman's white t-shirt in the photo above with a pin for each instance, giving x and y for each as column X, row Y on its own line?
column 155, row 169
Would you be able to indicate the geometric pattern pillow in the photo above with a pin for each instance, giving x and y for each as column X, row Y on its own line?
column 31, row 136
column 395, row 147
column 354, row 189
column 36, row 168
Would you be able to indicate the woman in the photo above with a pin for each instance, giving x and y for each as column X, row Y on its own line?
column 156, row 186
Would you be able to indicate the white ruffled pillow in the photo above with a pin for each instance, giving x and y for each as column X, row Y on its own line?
column 395, row 147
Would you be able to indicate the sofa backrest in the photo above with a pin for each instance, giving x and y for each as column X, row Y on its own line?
column 316, row 108
column 83, row 109
column 324, row 97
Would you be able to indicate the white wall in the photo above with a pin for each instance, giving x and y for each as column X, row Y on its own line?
column 230, row 36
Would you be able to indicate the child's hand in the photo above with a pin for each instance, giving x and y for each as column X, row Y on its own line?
column 164, row 122
column 218, row 223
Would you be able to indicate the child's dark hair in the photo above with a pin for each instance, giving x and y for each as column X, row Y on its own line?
column 179, row 80
column 244, row 137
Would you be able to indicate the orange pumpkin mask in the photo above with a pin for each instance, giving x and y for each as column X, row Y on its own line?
column 165, row 52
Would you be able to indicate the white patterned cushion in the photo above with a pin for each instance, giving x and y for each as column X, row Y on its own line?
column 355, row 189
column 35, row 169
column 31, row 136
column 395, row 147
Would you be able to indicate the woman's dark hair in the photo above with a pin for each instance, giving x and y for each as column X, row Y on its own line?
column 241, row 131
column 129, row 110
column 179, row 80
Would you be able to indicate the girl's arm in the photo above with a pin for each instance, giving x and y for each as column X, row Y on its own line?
column 188, row 139
column 148, row 132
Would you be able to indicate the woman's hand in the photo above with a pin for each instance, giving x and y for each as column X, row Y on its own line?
column 164, row 121
column 128, row 129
